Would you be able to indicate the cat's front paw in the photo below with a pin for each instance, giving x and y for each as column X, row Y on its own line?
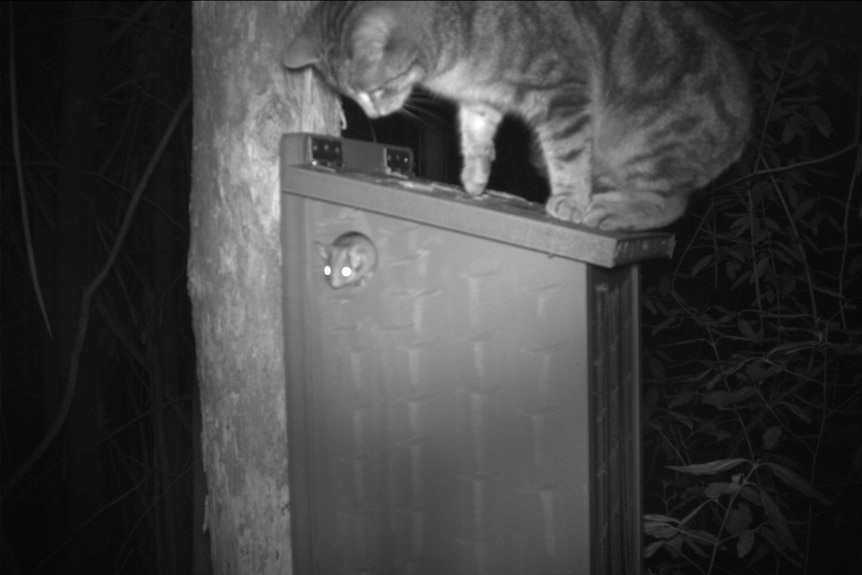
column 597, row 214
column 564, row 207
column 475, row 174
column 604, row 217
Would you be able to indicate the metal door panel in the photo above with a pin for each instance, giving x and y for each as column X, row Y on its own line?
column 442, row 397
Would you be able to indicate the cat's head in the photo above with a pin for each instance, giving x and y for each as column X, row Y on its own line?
column 364, row 50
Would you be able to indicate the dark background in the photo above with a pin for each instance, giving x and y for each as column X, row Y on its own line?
column 97, row 85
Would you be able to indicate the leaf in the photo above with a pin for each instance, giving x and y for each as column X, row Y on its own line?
column 738, row 520
column 681, row 418
column 794, row 480
column 666, row 323
column 662, row 532
column 747, row 331
column 771, row 436
column 730, row 270
column 651, row 548
column 817, row 54
column 660, row 526
column 751, row 495
column 701, row 263
column 702, row 536
column 803, row 208
column 819, row 118
column 744, row 544
column 716, row 398
column 713, row 380
column 699, row 376
column 797, row 411
column 709, row 468
column 742, row 394
column 719, row 488
column 647, row 303
column 716, row 490
column 777, row 520
column 791, row 129
column 674, row 546
column 658, row 518
column 761, row 267
column 788, row 285
column 725, row 374
column 720, row 435
column 681, row 399
column 757, row 372
column 725, row 318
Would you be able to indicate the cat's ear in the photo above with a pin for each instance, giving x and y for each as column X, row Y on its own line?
column 373, row 33
column 302, row 52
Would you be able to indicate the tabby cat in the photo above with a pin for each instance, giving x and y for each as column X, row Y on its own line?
column 634, row 104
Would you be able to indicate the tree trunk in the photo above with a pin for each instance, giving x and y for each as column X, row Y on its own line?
column 243, row 103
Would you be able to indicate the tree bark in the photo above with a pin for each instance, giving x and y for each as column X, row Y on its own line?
column 243, row 102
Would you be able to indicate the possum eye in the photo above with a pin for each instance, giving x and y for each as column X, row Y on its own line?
column 327, row 271
column 346, row 271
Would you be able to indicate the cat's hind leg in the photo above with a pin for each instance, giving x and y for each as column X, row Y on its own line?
column 478, row 123
column 633, row 210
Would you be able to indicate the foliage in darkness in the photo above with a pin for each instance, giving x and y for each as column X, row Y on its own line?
column 753, row 441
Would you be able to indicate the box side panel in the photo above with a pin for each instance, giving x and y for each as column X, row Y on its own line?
column 614, row 415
